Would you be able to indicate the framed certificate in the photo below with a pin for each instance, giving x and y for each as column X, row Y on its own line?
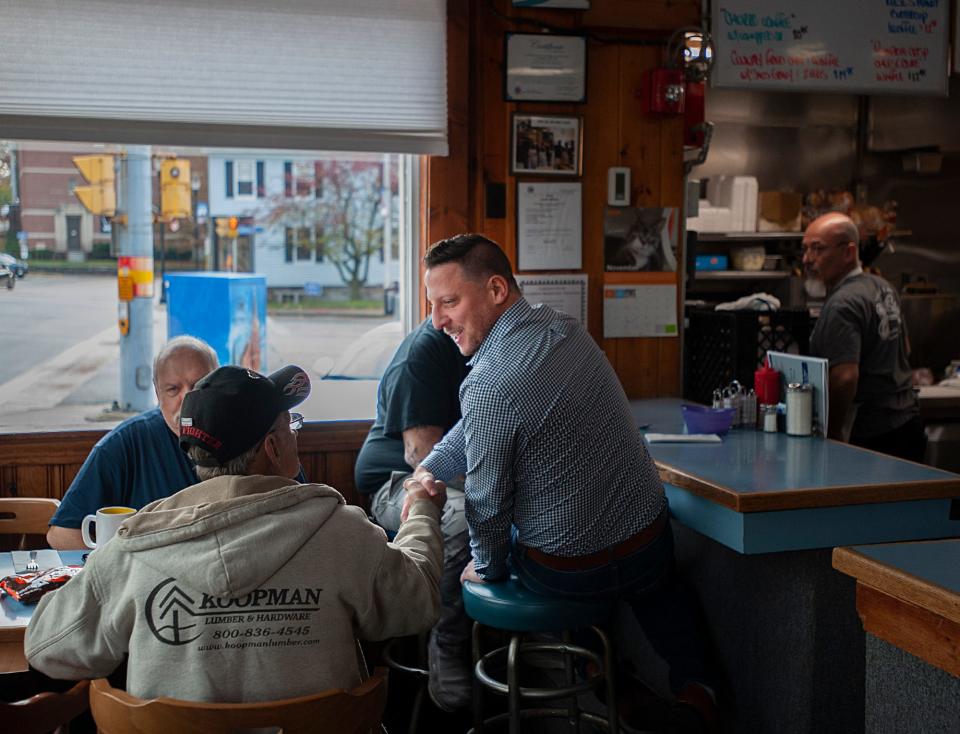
column 545, row 68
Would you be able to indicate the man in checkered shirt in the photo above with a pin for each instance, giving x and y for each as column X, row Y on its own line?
column 560, row 487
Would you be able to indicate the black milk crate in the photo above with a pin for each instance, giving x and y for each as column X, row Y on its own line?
column 720, row 346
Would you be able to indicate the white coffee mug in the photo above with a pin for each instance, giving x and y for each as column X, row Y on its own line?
column 107, row 519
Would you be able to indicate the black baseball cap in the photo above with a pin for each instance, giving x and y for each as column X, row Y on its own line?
column 232, row 408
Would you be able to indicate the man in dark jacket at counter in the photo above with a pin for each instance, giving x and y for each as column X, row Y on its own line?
column 861, row 331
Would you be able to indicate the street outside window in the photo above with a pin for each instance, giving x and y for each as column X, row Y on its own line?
column 311, row 245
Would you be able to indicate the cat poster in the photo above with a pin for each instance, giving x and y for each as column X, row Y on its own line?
column 639, row 239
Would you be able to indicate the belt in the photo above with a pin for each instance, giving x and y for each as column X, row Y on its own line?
column 602, row 557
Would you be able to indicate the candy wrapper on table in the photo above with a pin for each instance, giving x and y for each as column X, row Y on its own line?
column 28, row 588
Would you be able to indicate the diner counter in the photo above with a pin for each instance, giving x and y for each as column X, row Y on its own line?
column 909, row 595
column 908, row 598
column 759, row 492
column 756, row 518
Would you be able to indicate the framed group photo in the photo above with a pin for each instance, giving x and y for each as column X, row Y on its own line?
column 546, row 145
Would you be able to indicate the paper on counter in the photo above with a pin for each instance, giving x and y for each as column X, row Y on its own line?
column 683, row 438
column 46, row 559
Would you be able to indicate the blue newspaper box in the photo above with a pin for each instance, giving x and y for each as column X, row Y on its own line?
column 226, row 310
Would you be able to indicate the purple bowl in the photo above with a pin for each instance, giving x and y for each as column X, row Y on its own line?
column 699, row 419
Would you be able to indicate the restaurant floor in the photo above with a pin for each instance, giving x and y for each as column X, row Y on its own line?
column 403, row 688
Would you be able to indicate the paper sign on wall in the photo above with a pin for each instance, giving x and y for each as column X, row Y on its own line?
column 564, row 293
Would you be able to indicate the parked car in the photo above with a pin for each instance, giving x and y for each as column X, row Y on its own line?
column 7, row 278
column 19, row 267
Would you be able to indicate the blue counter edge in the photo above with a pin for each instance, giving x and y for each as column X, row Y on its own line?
column 820, row 527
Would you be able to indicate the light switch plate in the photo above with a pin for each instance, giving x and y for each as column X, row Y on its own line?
column 618, row 186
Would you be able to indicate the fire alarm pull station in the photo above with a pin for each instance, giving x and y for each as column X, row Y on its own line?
column 663, row 91
column 618, row 186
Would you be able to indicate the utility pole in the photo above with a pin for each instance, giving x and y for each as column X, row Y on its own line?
column 163, row 246
column 386, row 200
column 135, row 279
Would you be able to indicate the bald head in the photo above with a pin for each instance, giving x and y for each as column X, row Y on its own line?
column 837, row 228
column 831, row 247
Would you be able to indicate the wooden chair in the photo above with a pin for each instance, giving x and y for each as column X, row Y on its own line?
column 357, row 711
column 44, row 712
column 25, row 516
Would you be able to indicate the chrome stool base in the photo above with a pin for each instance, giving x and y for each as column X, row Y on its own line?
column 517, row 694
column 420, row 674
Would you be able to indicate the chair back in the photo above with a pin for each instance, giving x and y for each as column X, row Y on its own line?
column 46, row 711
column 357, row 711
column 26, row 516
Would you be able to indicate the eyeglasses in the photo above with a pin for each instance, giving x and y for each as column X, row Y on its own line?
column 818, row 250
column 296, row 423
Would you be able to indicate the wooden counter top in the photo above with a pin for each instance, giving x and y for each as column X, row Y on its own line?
column 759, row 492
column 753, row 471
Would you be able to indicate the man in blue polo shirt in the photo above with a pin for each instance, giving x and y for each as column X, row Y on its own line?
column 140, row 460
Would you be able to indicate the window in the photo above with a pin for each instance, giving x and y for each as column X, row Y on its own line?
column 383, row 89
column 246, row 180
column 298, row 244
column 317, row 261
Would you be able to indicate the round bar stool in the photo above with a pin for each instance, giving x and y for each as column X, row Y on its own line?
column 418, row 672
column 511, row 607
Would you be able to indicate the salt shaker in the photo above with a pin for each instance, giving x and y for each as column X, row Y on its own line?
column 769, row 418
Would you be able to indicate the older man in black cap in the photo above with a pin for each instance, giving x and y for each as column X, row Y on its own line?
column 247, row 586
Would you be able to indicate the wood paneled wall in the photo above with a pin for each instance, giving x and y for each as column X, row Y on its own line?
column 44, row 464
column 625, row 38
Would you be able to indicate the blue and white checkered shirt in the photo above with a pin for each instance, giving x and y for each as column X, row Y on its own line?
column 548, row 444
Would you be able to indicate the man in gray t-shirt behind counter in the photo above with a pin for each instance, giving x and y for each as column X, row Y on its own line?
column 862, row 333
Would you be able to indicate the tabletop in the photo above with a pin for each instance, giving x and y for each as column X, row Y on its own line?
column 14, row 616
column 753, row 471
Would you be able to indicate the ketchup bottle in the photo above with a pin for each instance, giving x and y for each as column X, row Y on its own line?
column 766, row 383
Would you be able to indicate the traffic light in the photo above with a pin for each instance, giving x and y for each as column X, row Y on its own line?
column 100, row 197
column 174, row 189
column 226, row 226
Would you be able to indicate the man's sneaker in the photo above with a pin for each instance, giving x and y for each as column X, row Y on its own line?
column 699, row 700
column 449, row 683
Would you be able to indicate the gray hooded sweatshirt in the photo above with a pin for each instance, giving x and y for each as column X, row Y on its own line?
column 239, row 589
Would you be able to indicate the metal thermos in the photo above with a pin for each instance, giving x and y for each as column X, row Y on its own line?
column 799, row 409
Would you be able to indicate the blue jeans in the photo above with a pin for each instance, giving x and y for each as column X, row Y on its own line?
column 647, row 580
column 453, row 627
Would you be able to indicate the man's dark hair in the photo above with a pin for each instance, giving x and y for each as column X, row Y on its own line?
column 479, row 257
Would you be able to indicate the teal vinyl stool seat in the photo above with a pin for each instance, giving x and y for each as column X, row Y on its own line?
column 511, row 607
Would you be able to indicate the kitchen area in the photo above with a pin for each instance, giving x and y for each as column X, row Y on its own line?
column 777, row 160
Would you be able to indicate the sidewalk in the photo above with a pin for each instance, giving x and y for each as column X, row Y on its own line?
column 75, row 389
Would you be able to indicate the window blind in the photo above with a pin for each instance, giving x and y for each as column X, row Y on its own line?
column 364, row 75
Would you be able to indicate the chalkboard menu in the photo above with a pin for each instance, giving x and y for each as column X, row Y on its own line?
column 858, row 46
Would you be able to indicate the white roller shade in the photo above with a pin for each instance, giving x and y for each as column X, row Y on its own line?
column 307, row 74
